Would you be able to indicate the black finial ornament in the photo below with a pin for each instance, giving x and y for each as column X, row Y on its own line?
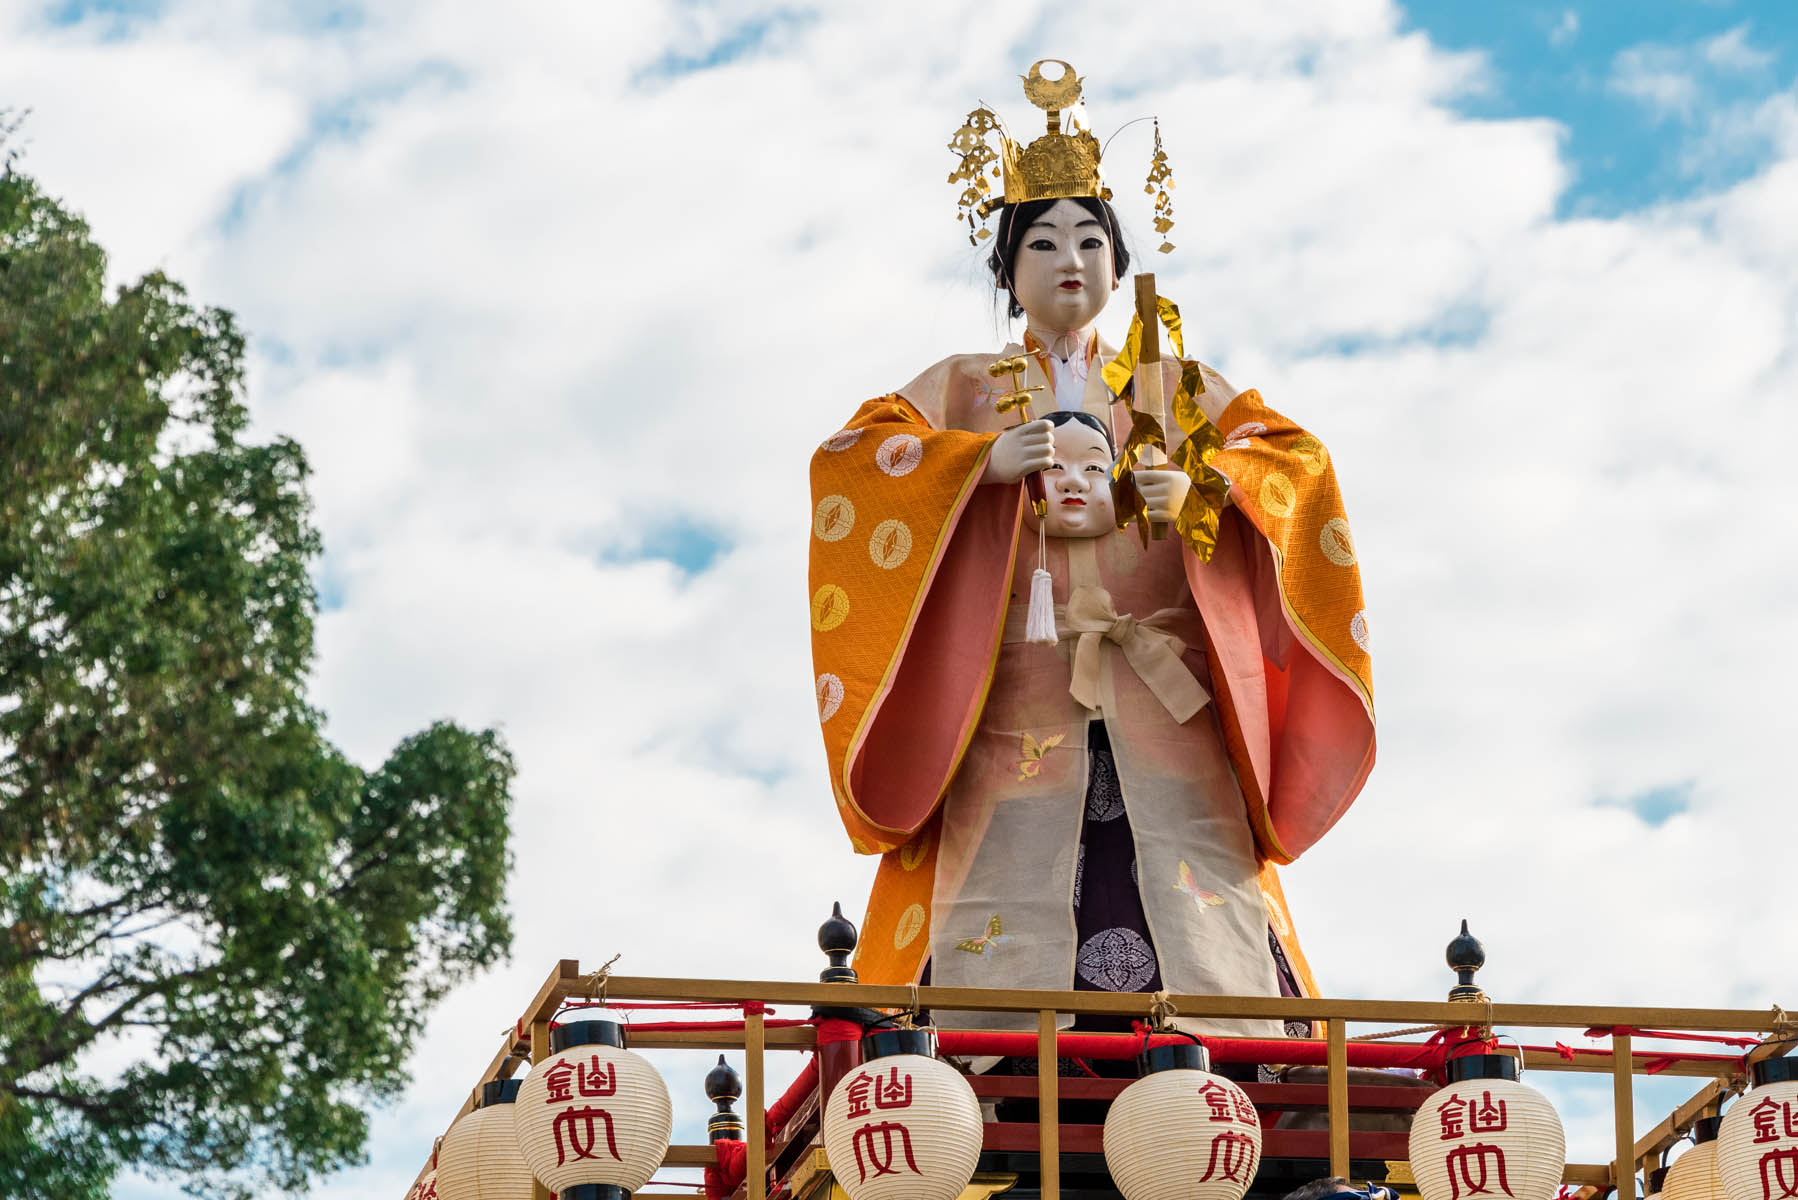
column 1465, row 956
column 723, row 1087
column 837, row 938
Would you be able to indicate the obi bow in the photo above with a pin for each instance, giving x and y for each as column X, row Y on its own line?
column 1152, row 651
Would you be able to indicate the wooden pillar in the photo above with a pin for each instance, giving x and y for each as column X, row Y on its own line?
column 754, row 1042
column 1337, row 1034
column 539, row 1052
column 1048, row 1105
column 1623, row 1097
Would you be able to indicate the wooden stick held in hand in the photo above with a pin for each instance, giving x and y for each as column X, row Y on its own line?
column 1151, row 396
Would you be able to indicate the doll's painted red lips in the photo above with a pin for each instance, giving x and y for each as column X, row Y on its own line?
column 1070, row 285
column 1075, row 500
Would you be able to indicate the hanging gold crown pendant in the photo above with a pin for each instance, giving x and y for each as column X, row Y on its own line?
column 1061, row 164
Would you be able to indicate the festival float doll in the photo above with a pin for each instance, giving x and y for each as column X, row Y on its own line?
column 1080, row 743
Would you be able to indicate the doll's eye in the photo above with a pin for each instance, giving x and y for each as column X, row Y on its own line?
column 1095, row 467
column 1042, row 244
column 1092, row 243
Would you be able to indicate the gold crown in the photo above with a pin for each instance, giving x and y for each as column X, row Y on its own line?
column 1061, row 164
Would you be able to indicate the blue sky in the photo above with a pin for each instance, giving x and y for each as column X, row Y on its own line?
column 559, row 304
column 1563, row 61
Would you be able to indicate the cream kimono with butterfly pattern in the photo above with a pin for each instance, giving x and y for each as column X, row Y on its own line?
column 1003, row 896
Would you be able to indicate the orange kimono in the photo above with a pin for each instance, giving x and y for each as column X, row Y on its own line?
column 912, row 564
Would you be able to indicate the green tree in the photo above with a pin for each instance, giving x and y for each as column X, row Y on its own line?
column 218, row 936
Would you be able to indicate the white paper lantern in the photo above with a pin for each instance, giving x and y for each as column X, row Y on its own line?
column 1181, row 1133
column 479, row 1157
column 1487, row 1134
column 1693, row 1175
column 425, row 1188
column 902, row 1126
column 1757, row 1147
column 593, row 1115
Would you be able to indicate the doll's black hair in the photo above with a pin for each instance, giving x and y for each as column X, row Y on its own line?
column 1015, row 220
column 1062, row 416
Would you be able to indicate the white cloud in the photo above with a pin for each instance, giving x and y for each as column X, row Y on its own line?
column 1565, row 29
column 524, row 311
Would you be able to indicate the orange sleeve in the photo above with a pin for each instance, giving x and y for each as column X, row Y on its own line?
column 911, row 563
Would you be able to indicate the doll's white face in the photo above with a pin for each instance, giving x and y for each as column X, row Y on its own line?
column 1062, row 272
column 1078, row 484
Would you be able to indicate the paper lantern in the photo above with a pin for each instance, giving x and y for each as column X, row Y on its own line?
column 1486, row 1133
column 594, row 1118
column 902, row 1126
column 1757, row 1146
column 1181, row 1133
column 425, row 1188
column 1693, row 1175
column 479, row 1157
column 1652, row 1185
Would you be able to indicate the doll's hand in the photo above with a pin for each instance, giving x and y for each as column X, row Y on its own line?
column 1163, row 492
column 1021, row 450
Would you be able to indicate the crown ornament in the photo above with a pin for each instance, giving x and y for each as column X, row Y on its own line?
column 1061, row 164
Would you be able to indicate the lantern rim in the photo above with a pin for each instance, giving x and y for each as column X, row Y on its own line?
column 1482, row 1066
column 883, row 1043
column 1175, row 1056
column 594, row 1191
column 500, row 1091
column 1774, row 1070
column 587, row 1033
column 1704, row 1129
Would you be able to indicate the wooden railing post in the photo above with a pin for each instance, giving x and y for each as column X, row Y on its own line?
column 539, row 1052
column 1339, row 1111
column 754, row 1041
column 1623, row 1097
column 1048, row 1105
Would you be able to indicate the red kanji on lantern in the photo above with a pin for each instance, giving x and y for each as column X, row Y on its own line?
column 583, row 1134
column 596, row 1080
column 1487, row 1115
column 1453, row 1115
column 1217, row 1098
column 858, row 1096
column 1232, row 1157
column 1769, row 1116
column 560, row 1079
column 1779, row 1174
column 893, row 1091
column 880, row 1156
column 1470, row 1159
column 1245, row 1112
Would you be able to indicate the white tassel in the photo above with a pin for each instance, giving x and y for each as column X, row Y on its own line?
column 1039, row 626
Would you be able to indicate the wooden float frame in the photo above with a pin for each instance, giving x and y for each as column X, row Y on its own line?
column 529, row 1040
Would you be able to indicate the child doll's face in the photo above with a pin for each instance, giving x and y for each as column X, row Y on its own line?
column 1078, row 484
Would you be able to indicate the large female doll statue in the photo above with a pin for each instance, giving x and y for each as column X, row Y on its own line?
column 1105, row 810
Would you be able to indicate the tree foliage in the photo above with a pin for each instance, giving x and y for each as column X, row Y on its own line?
column 218, row 936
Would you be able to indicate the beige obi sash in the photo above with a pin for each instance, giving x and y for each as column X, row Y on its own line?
column 1152, row 646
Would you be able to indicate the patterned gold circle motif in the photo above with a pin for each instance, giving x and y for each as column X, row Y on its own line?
column 1242, row 433
column 841, row 440
column 1337, row 543
column 1358, row 631
column 830, row 607
column 834, row 519
column 1278, row 496
column 899, row 454
column 1312, row 453
column 911, row 924
column 913, row 852
column 830, row 696
column 890, row 545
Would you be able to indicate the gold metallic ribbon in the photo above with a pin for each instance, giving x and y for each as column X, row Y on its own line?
column 1197, row 520
column 1152, row 651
